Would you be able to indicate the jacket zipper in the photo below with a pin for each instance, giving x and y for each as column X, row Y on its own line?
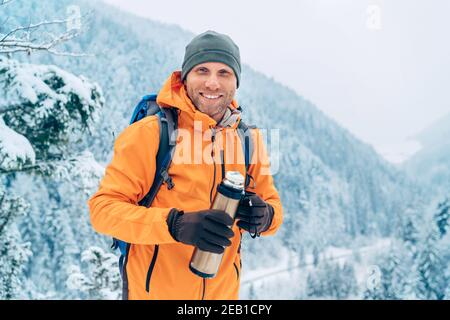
column 204, row 289
column 239, row 253
column 213, row 138
column 150, row 269
column 237, row 270
column 223, row 164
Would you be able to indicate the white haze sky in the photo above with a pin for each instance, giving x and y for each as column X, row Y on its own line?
column 384, row 76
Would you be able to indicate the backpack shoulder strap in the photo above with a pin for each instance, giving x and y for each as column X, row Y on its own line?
column 168, row 123
column 147, row 106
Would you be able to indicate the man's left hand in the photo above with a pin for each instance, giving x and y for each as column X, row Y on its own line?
column 254, row 214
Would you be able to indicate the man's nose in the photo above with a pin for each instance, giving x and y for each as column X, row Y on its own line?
column 212, row 83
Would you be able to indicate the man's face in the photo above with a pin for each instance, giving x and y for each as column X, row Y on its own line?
column 211, row 87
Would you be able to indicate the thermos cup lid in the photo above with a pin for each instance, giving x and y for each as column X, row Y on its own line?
column 234, row 179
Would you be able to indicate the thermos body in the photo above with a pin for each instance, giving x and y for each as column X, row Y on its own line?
column 229, row 193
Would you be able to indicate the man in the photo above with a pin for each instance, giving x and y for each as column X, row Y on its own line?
column 163, row 237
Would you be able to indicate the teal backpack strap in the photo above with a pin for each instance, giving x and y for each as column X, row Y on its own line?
column 167, row 125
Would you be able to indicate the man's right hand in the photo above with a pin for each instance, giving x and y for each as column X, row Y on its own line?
column 207, row 230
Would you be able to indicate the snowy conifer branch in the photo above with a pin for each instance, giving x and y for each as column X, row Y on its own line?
column 43, row 167
column 83, row 166
column 4, row 109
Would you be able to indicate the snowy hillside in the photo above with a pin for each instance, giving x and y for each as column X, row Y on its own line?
column 431, row 165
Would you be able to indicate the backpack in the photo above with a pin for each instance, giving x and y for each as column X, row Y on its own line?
column 168, row 123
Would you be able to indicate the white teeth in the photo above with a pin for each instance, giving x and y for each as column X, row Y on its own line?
column 210, row 97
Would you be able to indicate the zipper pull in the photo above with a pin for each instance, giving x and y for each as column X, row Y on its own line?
column 213, row 138
column 213, row 135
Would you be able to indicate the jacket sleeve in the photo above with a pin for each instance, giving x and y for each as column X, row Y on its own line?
column 114, row 208
column 263, row 182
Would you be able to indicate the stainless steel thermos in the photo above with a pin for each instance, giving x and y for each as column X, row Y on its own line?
column 229, row 193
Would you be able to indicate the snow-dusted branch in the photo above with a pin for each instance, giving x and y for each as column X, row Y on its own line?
column 69, row 54
column 18, row 39
column 19, row 45
column 34, row 26
column 61, row 167
column 22, row 169
column 4, row 109
column 45, row 167
column 81, row 170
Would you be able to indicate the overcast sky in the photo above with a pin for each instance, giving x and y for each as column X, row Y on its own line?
column 380, row 68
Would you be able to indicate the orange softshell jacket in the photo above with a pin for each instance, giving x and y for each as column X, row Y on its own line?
column 157, row 266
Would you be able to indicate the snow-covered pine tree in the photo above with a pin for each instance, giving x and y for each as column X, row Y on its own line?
column 316, row 256
column 349, row 286
column 14, row 253
column 45, row 115
column 442, row 217
column 43, row 112
column 331, row 281
column 252, row 292
column 99, row 279
column 313, row 287
column 432, row 280
column 394, row 282
column 408, row 231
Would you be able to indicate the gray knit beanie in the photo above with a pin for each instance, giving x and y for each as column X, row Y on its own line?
column 211, row 46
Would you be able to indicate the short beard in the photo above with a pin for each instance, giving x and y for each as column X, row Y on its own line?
column 220, row 110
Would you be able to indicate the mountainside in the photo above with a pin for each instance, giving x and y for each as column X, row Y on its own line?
column 431, row 164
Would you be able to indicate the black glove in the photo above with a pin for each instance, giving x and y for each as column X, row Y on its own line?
column 207, row 230
column 254, row 214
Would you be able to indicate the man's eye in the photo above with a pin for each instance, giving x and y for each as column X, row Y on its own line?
column 202, row 70
column 224, row 72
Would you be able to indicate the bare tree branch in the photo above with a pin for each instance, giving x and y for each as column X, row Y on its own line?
column 57, row 53
column 34, row 26
column 70, row 54
column 20, row 45
column 19, row 39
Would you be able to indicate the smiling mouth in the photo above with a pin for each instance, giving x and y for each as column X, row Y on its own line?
column 211, row 96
